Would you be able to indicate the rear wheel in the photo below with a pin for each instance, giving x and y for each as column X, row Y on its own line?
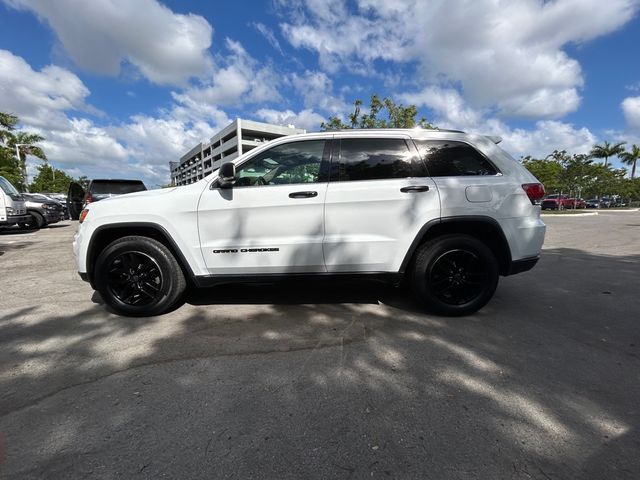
column 455, row 275
column 138, row 276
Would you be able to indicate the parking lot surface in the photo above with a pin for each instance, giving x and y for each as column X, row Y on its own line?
column 327, row 381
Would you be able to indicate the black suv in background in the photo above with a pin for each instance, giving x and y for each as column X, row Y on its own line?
column 98, row 189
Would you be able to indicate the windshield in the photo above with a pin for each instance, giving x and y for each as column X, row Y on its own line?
column 103, row 187
column 7, row 188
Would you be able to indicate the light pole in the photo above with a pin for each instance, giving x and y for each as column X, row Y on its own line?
column 24, row 172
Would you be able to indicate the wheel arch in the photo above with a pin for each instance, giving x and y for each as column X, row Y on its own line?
column 105, row 234
column 486, row 229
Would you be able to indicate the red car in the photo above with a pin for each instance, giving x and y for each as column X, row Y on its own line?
column 577, row 203
column 556, row 202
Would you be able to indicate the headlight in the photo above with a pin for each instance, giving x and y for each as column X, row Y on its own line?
column 9, row 211
column 48, row 206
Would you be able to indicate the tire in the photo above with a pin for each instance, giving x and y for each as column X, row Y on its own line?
column 38, row 220
column 454, row 275
column 138, row 277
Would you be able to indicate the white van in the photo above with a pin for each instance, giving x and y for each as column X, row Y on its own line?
column 12, row 207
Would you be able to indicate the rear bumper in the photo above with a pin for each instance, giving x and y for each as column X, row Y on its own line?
column 523, row 265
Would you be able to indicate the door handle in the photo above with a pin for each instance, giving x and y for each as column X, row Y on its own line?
column 415, row 188
column 303, row 194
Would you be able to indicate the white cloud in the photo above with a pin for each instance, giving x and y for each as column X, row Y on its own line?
column 451, row 111
column 307, row 119
column 239, row 79
column 269, row 35
column 141, row 146
column 505, row 55
column 39, row 98
column 99, row 35
column 316, row 90
column 631, row 110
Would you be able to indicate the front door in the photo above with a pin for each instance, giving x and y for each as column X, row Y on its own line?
column 379, row 197
column 271, row 220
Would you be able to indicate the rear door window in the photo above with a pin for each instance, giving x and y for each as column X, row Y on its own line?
column 373, row 159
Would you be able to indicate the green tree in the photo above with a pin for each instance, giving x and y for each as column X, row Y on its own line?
column 547, row 171
column 395, row 116
column 26, row 145
column 631, row 158
column 8, row 163
column 578, row 174
column 12, row 165
column 50, row 180
column 83, row 181
column 607, row 150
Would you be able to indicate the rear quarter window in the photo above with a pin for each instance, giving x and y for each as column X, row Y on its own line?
column 445, row 158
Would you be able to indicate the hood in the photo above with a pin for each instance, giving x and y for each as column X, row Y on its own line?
column 145, row 193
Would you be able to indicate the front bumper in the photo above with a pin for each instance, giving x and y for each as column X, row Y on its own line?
column 51, row 217
column 15, row 219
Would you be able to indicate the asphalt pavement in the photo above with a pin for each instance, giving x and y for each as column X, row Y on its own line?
column 327, row 381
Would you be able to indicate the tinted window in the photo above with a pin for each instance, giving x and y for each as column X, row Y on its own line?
column 453, row 159
column 297, row 162
column 101, row 187
column 373, row 159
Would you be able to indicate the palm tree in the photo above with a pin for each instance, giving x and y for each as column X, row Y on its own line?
column 630, row 158
column 24, row 144
column 607, row 150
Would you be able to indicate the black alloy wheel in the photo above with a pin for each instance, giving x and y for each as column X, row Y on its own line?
column 457, row 277
column 138, row 276
column 135, row 279
column 454, row 274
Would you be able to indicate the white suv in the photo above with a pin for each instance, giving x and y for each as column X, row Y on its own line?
column 445, row 210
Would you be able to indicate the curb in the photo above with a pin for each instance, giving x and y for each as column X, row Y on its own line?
column 588, row 214
column 620, row 211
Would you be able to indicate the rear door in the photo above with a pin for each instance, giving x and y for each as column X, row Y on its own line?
column 271, row 220
column 468, row 182
column 378, row 198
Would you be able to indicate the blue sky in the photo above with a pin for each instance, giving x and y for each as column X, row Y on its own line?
column 120, row 87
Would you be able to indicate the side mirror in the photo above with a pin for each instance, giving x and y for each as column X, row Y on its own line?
column 227, row 175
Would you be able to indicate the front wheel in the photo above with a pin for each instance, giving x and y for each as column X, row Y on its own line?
column 455, row 275
column 138, row 276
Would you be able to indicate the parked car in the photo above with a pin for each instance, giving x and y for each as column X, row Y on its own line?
column 12, row 207
column 556, row 202
column 42, row 211
column 446, row 211
column 576, row 203
column 98, row 189
column 593, row 203
column 62, row 198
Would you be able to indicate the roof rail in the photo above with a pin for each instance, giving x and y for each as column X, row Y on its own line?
column 448, row 130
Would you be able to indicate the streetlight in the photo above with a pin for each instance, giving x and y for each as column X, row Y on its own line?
column 26, row 175
column 26, row 178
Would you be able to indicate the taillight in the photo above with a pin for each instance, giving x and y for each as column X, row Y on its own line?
column 535, row 192
column 88, row 198
column 83, row 215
